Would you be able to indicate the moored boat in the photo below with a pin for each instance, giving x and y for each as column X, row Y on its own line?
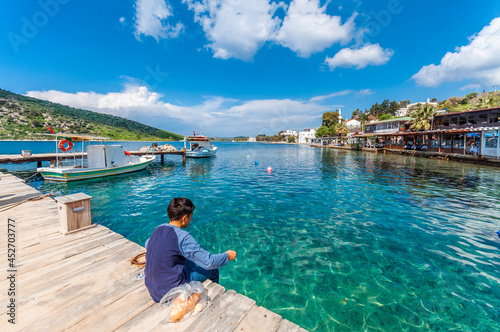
column 199, row 146
column 102, row 160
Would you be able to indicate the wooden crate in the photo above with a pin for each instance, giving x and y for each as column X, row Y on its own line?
column 74, row 212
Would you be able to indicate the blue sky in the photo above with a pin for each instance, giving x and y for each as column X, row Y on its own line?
column 236, row 67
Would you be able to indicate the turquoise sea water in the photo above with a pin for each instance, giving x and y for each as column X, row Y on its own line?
column 330, row 239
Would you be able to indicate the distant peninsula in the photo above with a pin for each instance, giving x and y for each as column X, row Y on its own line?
column 23, row 117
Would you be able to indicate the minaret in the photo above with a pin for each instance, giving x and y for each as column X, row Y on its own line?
column 340, row 115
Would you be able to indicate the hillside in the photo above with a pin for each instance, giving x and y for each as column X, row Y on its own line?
column 472, row 101
column 21, row 117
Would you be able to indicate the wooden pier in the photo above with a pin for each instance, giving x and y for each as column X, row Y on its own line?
column 83, row 281
column 52, row 157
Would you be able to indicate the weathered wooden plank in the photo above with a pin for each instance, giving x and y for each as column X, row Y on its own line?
column 214, row 292
column 82, row 307
column 53, row 294
column 60, row 273
column 260, row 319
column 287, row 326
column 117, row 313
column 47, row 257
column 224, row 315
column 151, row 317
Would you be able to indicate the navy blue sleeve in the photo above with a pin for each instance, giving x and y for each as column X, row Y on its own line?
column 191, row 250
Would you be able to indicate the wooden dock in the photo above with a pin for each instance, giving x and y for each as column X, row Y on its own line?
column 52, row 157
column 83, row 281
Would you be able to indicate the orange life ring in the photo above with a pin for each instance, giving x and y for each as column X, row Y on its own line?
column 63, row 142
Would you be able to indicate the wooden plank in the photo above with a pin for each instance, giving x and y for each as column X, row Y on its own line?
column 224, row 315
column 80, row 309
column 287, row 326
column 74, row 248
column 117, row 313
column 260, row 319
column 60, row 272
column 214, row 291
column 53, row 293
column 61, row 302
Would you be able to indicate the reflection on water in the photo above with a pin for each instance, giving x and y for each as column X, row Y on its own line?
column 331, row 239
column 199, row 168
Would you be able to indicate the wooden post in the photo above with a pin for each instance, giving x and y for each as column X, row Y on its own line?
column 39, row 163
column 162, row 159
column 74, row 212
column 184, row 157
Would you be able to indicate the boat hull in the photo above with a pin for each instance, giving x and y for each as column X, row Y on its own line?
column 201, row 154
column 73, row 174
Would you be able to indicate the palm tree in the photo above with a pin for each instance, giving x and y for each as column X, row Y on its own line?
column 422, row 116
column 342, row 130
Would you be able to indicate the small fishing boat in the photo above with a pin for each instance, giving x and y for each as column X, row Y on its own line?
column 102, row 159
column 199, row 146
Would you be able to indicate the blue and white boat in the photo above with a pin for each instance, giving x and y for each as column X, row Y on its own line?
column 199, row 147
column 102, row 160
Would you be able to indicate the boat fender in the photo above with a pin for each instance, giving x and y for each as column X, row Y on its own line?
column 62, row 144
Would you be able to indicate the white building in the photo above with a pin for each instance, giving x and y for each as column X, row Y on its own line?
column 290, row 133
column 252, row 139
column 405, row 110
column 306, row 135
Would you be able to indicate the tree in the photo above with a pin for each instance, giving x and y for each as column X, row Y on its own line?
column 342, row 130
column 393, row 107
column 330, row 118
column 385, row 116
column 356, row 113
column 322, row 131
column 422, row 116
column 291, row 139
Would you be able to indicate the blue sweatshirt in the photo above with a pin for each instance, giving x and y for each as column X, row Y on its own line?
column 167, row 251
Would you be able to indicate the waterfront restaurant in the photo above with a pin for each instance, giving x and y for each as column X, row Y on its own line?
column 471, row 132
column 380, row 134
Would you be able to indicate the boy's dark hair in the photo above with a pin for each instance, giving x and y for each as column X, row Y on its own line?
column 180, row 207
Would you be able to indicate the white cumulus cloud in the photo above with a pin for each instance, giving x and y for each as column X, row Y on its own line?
column 235, row 28
column 472, row 86
column 218, row 116
column 359, row 58
column 307, row 28
column 479, row 61
column 151, row 20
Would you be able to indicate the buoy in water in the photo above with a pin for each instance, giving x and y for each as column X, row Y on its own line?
column 269, row 169
column 256, row 162
column 498, row 233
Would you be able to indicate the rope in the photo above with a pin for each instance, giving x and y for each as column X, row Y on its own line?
column 34, row 198
column 26, row 180
column 138, row 260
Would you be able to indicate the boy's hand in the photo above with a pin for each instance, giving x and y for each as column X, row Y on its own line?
column 231, row 254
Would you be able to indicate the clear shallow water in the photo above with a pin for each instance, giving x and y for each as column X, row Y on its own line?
column 331, row 240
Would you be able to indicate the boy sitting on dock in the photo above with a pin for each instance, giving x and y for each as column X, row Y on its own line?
column 174, row 257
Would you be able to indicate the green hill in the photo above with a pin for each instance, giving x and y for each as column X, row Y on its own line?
column 21, row 117
column 472, row 101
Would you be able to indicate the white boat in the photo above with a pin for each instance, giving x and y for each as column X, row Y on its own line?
column 102, row 160
column 199, row 147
